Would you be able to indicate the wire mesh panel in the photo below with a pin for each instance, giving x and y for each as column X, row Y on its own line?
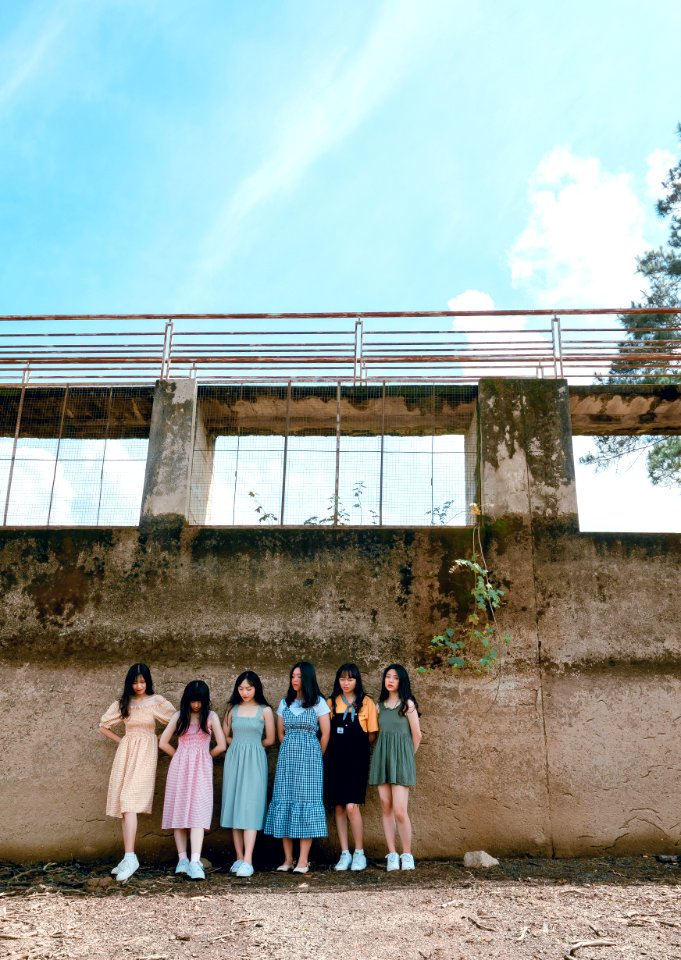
column 238, row 456
column 312, row 422
column 74, row 456
column 332, row 455
column 425, row 475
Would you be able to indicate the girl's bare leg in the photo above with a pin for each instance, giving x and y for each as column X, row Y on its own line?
column 385, row 795
column 342, row 825
column 400, row 804
column 355, row 817
column 129, row 831
column 181, row 843
column 248, row 845
column 287, row 844
column 196, row 841
column 305, row 845
column 238, row 838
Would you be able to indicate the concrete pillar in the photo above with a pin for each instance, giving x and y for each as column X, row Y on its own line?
column 200, row 496
column 471, row 460
column 526, row 464
column 169, row 458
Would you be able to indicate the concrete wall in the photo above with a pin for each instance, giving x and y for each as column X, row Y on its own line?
column 572, row 748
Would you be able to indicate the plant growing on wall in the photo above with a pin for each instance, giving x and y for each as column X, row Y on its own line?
column 338, row 516
column 263, row 515
column 476, row 644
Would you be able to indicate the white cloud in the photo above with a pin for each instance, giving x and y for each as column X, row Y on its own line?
column 659, row 164
column 500, row 346
column 332, row 103
column 471, row 300
column 584, row 233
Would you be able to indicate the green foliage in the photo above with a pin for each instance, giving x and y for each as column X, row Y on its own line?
column 474, row 644
column 440, row 515
column 660, row 335
column 336, row 516
column 264, row 516
column 336, row 513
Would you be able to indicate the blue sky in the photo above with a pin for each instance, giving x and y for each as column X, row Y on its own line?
column 274, row 156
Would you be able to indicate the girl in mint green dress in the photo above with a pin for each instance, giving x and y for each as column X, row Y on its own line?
column 249, row 729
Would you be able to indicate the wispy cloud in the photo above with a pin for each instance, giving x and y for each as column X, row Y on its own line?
column 27, row 52
column 331, row 105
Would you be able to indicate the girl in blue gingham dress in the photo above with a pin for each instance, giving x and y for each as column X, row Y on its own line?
column 297, row 807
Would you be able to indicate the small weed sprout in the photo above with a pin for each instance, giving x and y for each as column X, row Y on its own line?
column 264, row 516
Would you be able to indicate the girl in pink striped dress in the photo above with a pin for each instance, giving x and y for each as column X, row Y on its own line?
column 188, row 805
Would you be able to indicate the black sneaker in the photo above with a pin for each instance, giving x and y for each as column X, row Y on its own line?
column 667, row 858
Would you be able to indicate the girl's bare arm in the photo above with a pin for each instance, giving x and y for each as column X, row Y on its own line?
column 227, row 726
column 325, row 731
column 270, row 735
column 164, row 743
column 110, row 734
column 414, row 725
column 216, row 727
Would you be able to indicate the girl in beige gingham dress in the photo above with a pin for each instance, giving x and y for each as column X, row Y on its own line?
column 133, row 774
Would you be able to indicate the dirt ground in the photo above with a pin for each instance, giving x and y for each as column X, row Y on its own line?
column 584, row 909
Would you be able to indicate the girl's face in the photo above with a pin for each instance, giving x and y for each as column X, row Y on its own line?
column 296, row 680
column 347, row 684
column 139, row 686
column 392, row 681
column 246, row 691
column 195, row 706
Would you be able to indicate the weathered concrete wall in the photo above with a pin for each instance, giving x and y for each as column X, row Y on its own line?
column 573, row 749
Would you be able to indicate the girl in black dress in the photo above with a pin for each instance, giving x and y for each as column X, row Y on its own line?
column 354, row 725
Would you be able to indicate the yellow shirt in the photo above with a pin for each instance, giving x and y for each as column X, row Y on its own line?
column 368, row 715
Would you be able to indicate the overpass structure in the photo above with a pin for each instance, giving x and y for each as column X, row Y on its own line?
column 569, row 747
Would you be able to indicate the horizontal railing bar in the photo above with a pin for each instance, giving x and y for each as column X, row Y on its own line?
column 349, row 315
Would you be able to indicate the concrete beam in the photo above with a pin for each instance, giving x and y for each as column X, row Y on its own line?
column 629, row 409
column 526, row 464
column 406, row 410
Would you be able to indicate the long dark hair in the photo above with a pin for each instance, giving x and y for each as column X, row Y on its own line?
column 135, row 671
column 350, row 670
column 403, row 690
column 196, row 690
column 308, row 685
column 252, row 678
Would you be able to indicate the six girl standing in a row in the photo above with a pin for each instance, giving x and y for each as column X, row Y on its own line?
column 325, row 747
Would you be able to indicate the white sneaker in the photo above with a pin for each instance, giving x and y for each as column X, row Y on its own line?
column 245, row 870
column 130, row 864
column 114, row 870
column 393, row 861
column 408, row 862
column 182, row 866
column 195, row 870
column 359, row 861
column 235, row 866
column 344, row 861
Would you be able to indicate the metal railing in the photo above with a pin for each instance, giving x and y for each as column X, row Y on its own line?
column 354, row 347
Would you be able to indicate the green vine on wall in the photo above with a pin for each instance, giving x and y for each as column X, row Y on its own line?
column 476, row 644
